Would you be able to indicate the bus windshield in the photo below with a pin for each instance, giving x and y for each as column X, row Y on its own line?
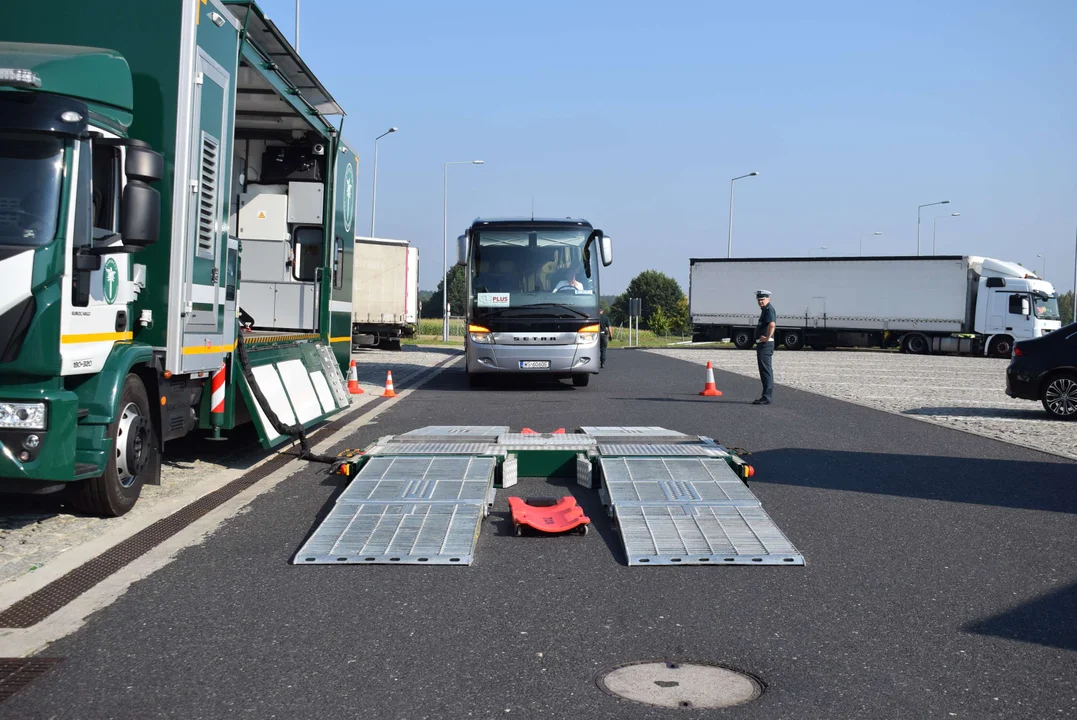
column 552, row 272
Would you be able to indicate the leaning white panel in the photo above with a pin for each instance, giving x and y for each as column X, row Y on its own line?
column 321, row 387
column 269, row 383
column 297, row 385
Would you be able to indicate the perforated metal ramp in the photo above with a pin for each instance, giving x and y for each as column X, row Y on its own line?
column 406, row 510
column 689, row 511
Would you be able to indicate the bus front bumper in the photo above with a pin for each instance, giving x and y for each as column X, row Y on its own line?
column 562, row 360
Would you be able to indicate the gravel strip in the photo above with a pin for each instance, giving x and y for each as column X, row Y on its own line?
column 964, row 393
column 34, row 530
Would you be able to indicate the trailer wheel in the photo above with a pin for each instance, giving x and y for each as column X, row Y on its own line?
column 742, row 339
column 581, row 379
column 131, row 460
column 1001, row 346
column 793, row 340
column 916, row 344
column 1059, row 396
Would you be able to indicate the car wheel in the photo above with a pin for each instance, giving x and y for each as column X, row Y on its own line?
column 132, row 458
column 581, row 379
column 1060, row 396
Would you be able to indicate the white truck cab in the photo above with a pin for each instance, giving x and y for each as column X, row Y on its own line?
column 1012, row 304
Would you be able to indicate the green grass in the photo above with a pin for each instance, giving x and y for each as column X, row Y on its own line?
column 430, row 333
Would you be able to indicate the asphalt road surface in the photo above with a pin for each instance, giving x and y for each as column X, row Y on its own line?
column 939, row 583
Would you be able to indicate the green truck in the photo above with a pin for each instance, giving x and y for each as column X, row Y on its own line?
column 177, row 223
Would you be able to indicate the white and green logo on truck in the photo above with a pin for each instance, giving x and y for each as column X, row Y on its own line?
column 110, row 280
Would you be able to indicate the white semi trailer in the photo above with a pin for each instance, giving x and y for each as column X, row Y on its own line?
column 385, row 287
column 952, row 304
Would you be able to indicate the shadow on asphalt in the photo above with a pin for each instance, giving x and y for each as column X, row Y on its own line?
column 1047, row 620
column 1032, row 413
column 456, row 379
column 998, row 483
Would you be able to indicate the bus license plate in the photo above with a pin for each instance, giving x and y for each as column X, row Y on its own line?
column 532, row 364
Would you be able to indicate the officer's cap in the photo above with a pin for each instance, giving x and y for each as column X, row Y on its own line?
column 762, row 294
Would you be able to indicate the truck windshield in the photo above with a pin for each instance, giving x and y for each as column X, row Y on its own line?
column 548, row 272
column 31, row 169
column 1046, row 308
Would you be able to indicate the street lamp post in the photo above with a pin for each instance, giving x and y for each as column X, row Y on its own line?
column 918, row 207
column 729, row 241
column 374, row 199
column 935, row 220
column 297, row 25
column 1043, row 274
column 862, row 240
column 811, row 250
column 445, row 246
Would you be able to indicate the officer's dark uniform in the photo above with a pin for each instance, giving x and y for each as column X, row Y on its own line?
column 764, row 351
column 604, row 322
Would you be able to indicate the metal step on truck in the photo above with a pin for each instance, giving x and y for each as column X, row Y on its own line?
column 177, row 215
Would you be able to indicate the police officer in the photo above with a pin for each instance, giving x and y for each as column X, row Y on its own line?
column 764, row 349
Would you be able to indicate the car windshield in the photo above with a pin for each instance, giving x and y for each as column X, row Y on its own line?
column 1046, row 308
column 538, row 271
column 31, row 169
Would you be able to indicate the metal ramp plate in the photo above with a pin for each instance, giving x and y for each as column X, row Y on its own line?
column 432, row 448
column 406, row 510
column 650, row 434
column 395, row 533
column 562, row 441
column 703, row 535
column 454, row 433
column 661, row 450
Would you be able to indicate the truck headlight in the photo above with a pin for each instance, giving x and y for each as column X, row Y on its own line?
column 24, row 416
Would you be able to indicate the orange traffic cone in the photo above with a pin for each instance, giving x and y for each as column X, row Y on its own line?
column 353, row 380
column 389, row 392
column 709, row 389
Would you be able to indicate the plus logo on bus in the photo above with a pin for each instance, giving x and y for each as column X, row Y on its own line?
column 110, row 280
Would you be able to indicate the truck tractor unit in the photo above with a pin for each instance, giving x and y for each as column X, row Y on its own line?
column 966, row 305
column 177, row 216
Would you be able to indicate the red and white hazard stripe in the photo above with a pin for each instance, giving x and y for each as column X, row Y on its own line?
column 216, row 400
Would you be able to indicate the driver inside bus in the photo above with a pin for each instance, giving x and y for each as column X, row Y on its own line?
column 569, row 280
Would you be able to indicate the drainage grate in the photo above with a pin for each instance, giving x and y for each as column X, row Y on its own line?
column 39, row 605
column 17, row 673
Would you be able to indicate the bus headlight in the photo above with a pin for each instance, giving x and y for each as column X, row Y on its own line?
column 588, row 335
column 480, row 335
column 24, row 416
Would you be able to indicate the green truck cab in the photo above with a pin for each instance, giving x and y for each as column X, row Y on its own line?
column 173, row 191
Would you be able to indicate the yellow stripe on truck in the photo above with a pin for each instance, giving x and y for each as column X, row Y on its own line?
column 95, row 337
column 207, row 349
column 340, row 339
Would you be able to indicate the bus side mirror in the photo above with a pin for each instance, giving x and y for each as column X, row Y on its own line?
column 461, row 249
column 140, row 209
column 605, row 247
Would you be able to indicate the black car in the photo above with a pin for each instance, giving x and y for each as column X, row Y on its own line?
column 1045, row 369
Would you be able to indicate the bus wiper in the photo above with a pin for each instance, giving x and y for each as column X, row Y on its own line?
column 562, row 306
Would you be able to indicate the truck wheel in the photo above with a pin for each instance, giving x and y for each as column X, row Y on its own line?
column 742, row 339
column 581, row 379
column 1060, row 396
column 916, row 345
column 134, row 448
column 793, row 340
column 1001, row 346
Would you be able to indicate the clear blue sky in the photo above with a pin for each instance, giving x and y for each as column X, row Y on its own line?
column 635, row 115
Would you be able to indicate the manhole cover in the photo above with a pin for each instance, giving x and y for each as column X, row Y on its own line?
column 680, row 685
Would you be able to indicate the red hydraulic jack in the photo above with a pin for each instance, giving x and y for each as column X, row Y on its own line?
column 548, row 516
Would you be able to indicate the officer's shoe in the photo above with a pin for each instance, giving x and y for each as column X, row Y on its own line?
column 761, row 401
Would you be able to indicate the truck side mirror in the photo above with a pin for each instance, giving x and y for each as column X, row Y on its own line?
column 140, row 218
column 461, row 249
column 1026, row 307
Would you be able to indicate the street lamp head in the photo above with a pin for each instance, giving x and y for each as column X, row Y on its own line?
column 955, row 214
column 878, row 233
column 752, row 174
column 392, row 129
column 944, row 202
column 476, row 162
